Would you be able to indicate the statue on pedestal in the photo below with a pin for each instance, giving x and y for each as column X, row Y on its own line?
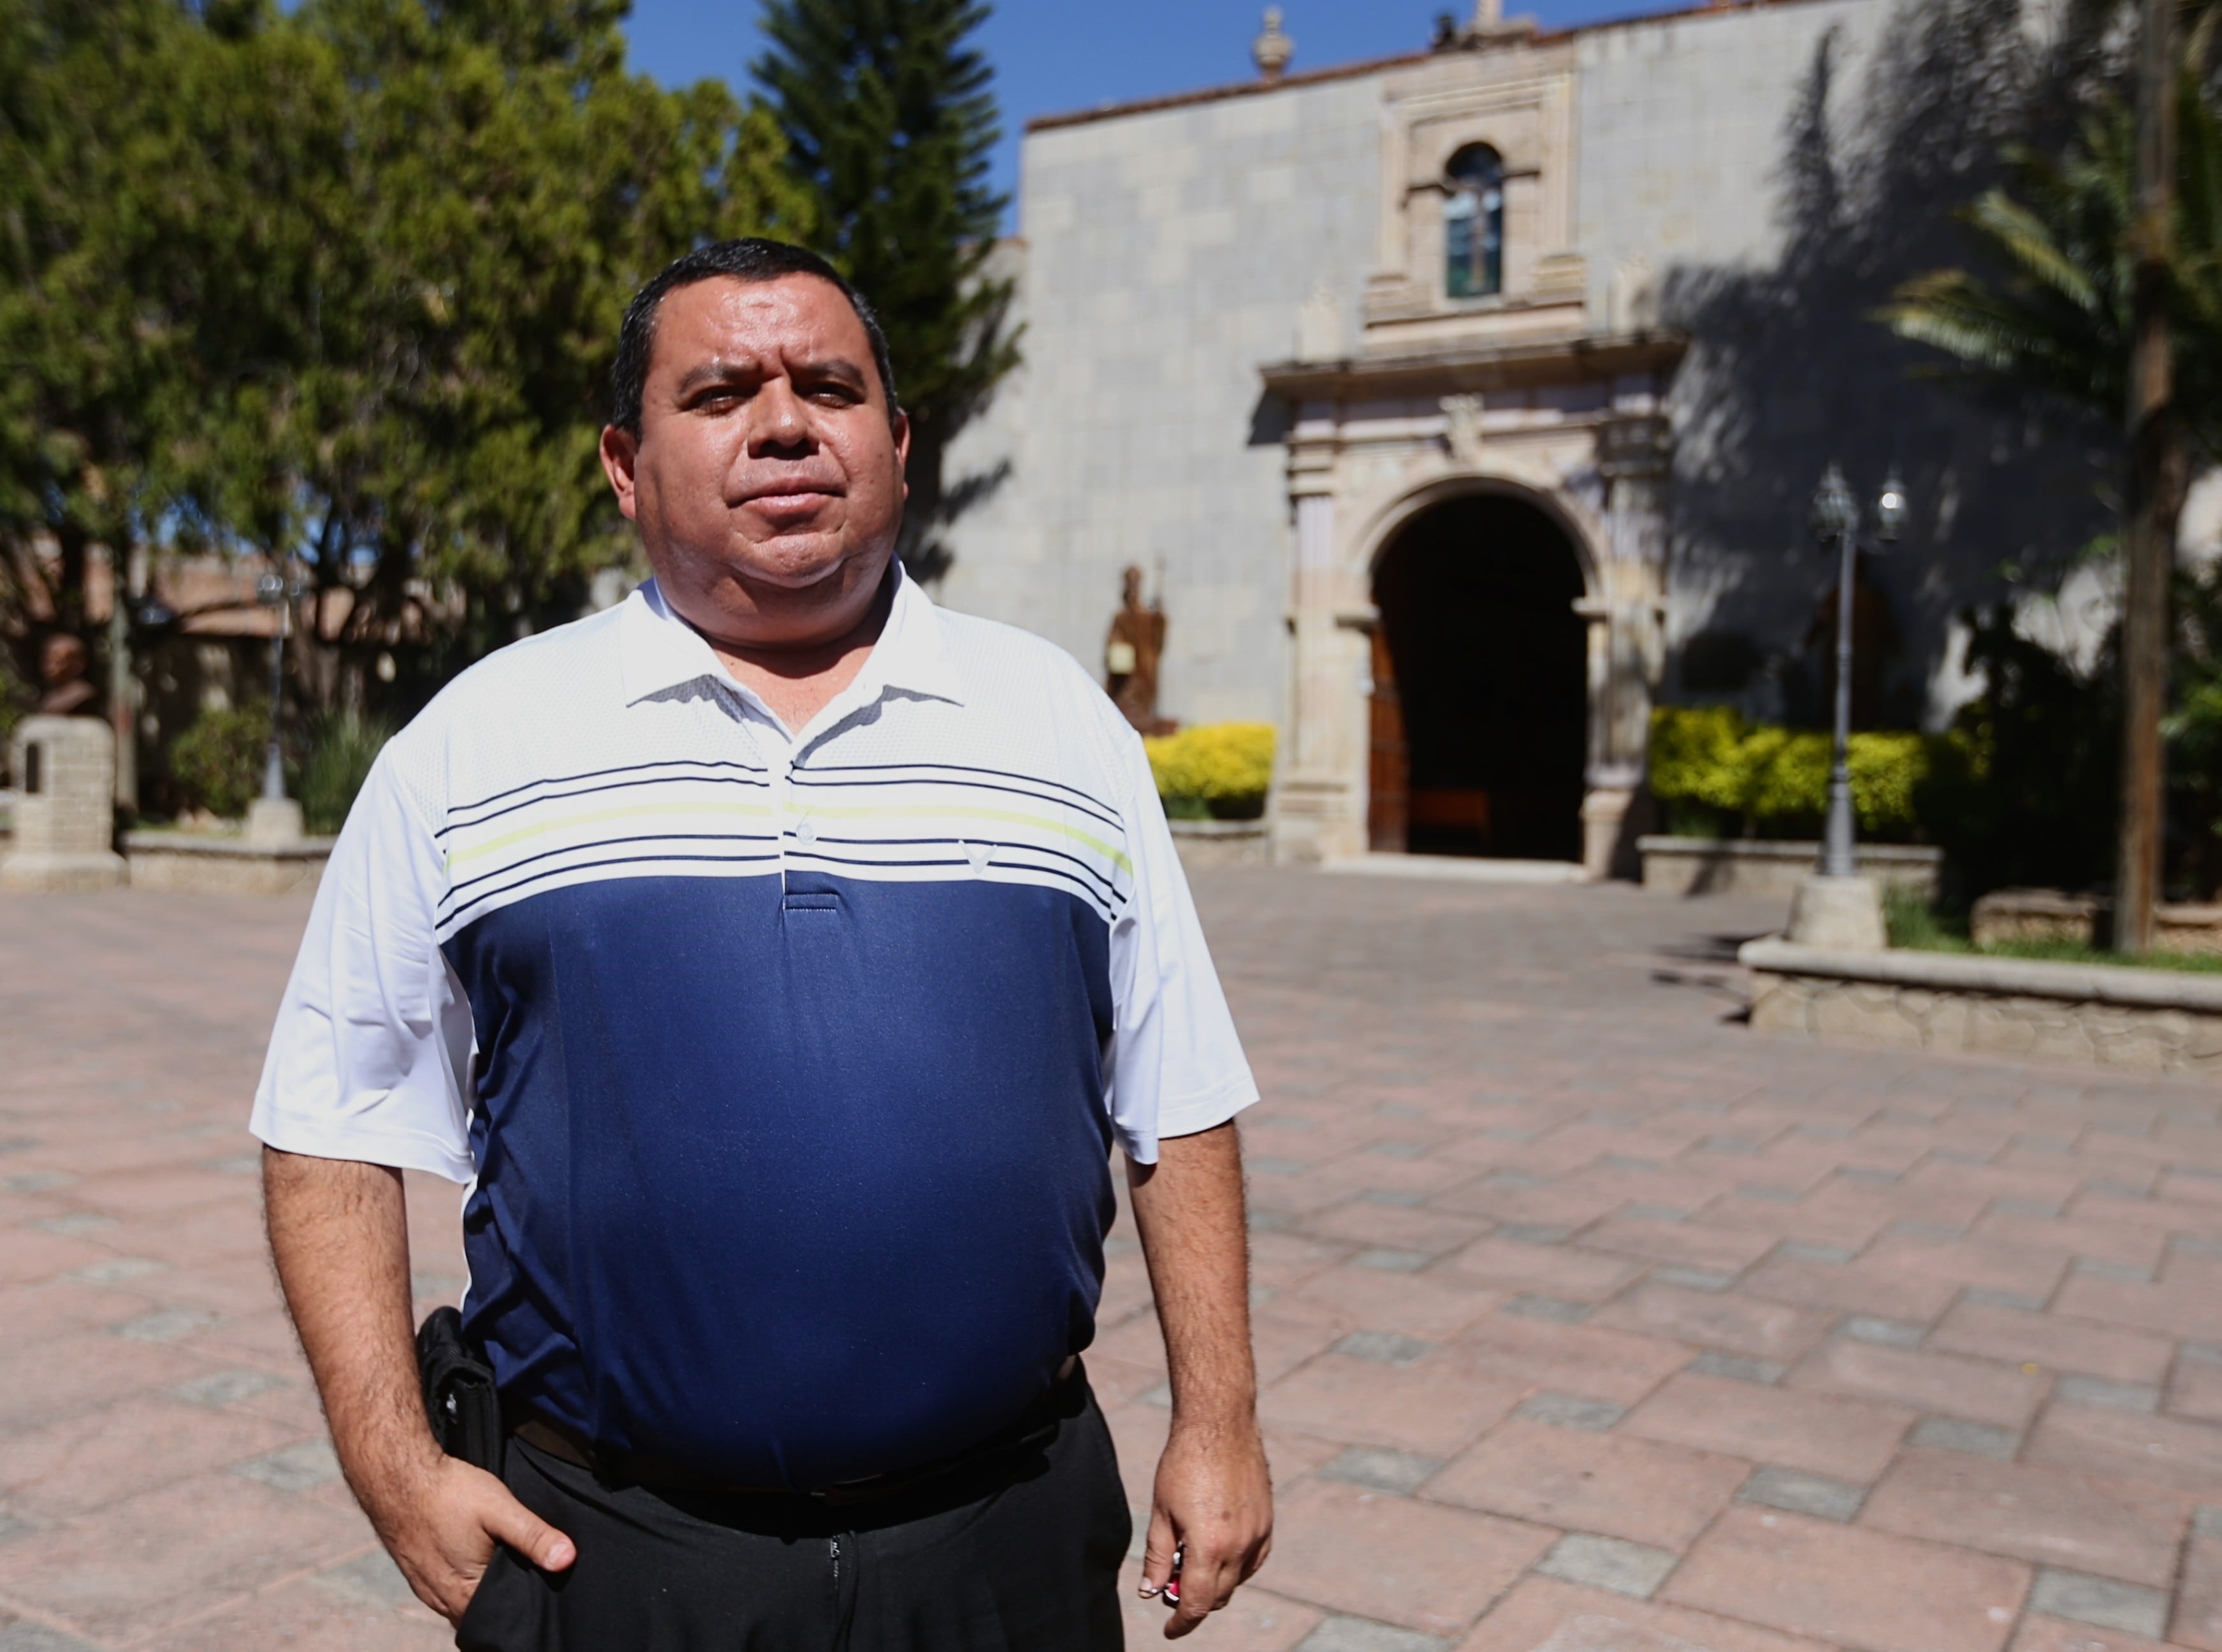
column 1130, row 653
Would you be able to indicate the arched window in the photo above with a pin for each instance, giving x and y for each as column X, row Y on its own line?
column 1473, row 224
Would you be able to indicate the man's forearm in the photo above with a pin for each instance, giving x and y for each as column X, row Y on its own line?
column 1212, row 1500
column 339, row 1235
column 1188, row 1208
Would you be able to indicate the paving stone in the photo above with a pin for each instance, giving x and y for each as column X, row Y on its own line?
column 1399, row 1561
column 166, row 1325
column 1391, row 1261
column 370, row 1579
column 1431, row 1408
column 1541, row 1609
column 22, row 1637
column 1897, row 1333
column 1850, row 1586
column 2099, row 1391
column 2014, row 1206
column 1844, row 1438
column 1364, row 1634
column 1402, row 1472
column 2091, row 1268
column 1386, row 1347
column 1625, row 1568
column 1552, row 1308
column 2019, row 1336
column 296, row 1468
column 1955, row 1434
column 1694, row 1279
column 1799, row 1250
column 1588, row 1359
column 1735, row 1323
column 1946, row 1384
column 2021, row 1299
column 2130, row 1445
column 1741, row 1367
column 75, row 1225
column 2032, row 1511
column 2101, row 1601
column 1659, row 1495
column 1813, row 1494
column 1530, row 1233
column 1572, row 1411
column 2199, row 1600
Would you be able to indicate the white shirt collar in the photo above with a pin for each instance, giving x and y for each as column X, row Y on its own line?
column 660, row 650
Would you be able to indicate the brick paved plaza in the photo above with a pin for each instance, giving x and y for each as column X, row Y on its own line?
column 1578, row 1305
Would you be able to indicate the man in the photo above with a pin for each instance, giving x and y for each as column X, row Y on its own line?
column 778, row 958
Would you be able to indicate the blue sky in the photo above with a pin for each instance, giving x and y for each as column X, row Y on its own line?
column 1055, row 55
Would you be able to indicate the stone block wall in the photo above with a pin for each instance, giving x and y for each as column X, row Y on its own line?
column 2086, row 1033
column 73, row 810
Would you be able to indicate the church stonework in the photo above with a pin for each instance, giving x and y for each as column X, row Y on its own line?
column 1353, row 355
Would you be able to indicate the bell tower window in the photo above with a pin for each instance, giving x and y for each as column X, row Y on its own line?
column 1473, row 224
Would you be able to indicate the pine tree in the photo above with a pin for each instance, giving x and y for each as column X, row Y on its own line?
column 889, row 120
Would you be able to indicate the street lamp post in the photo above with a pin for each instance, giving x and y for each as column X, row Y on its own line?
column 270, row 592
column 1836, row 517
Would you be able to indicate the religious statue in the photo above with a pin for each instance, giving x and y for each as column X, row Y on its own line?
column 1131, row 654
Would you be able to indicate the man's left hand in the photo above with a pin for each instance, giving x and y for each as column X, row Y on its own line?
column 1213, row 1501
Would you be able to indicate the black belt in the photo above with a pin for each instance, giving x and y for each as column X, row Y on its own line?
column 566, row 1445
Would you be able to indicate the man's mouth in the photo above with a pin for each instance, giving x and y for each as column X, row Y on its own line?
column 786, row 504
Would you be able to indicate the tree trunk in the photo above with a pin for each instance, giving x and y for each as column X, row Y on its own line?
column 2156, row 483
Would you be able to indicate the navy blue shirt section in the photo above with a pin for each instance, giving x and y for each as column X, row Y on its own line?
column 795, row 1182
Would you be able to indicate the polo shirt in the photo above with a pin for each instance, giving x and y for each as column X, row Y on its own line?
column 782, row 1069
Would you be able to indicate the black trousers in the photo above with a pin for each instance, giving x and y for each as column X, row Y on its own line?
column 1018, row 1553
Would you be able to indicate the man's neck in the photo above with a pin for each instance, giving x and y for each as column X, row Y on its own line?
column 795, row 684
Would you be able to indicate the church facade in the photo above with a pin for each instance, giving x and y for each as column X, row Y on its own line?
column 1376, row 373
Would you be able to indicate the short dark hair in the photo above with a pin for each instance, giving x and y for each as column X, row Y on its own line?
column 751, row 259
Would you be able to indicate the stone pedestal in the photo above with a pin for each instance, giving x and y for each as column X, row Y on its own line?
column 1837, row 914
column 274, row 823
column 64, row 806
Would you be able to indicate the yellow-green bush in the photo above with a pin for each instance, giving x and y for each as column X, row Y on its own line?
column 1709, row 756
column 1216, row 768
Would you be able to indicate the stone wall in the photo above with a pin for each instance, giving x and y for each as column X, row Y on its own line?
column 2148, row 1021
column 1168, row 253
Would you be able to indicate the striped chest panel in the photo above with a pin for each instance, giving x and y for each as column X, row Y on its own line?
column 761, row 815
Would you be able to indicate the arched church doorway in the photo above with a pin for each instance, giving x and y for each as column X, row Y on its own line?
column 1480, row 695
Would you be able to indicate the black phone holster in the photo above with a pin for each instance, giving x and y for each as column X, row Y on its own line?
column 460, row 1398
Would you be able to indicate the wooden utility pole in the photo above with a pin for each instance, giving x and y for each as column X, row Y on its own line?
column 2156, row 483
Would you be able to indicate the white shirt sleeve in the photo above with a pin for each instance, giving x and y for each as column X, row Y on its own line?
column 1175, row 1065
column 371, row 1057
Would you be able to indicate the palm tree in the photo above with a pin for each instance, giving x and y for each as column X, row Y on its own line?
column 2112, row 299
column 2058, row 322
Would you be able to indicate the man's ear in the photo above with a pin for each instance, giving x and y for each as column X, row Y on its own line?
column 620, row 452
column 902, row 451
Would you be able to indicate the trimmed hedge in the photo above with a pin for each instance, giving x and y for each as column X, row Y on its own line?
column 1214, row 771
column 1777, row 778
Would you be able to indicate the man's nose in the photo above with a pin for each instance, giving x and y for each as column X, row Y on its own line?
column 782, row 423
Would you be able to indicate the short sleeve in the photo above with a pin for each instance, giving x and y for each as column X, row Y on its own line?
column 1175, row 1065
column 371, row 1057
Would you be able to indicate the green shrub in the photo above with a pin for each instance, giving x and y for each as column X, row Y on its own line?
column 217, row 763
column 342, row 748
column 1225, row 768
column 1776, row 779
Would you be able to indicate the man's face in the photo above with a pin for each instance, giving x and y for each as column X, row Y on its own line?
column 766, row 481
